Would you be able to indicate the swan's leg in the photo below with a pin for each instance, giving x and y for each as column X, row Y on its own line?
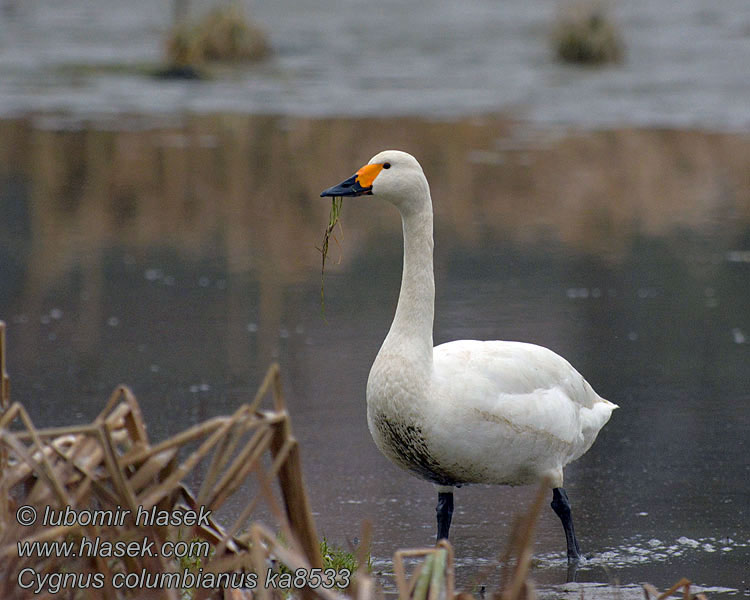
column 444, row 511
column 561, row 506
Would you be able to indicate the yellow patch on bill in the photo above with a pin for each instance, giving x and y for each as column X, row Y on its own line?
column 367, row 174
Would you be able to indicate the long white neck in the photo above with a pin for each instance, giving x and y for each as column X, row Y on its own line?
column 411, row 331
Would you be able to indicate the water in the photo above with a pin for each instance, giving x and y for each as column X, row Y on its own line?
column 686, row 62
column 178, row 256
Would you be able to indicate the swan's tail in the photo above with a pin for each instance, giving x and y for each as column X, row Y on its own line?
column 612, row 405
column 593, row 419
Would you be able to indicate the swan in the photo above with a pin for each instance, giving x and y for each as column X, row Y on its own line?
column 466, row 411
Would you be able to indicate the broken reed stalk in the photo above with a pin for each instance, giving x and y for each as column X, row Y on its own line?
column 651, row 593
column 424, row 579
column 333, row 219
column 4, row 379
column 437, row 581
column 364, row 545
column 362, row 585
column 431, row 579
column 4, row 403
column 515, row 583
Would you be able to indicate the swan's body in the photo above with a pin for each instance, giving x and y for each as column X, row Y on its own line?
column 487, row 412
column 466, row 411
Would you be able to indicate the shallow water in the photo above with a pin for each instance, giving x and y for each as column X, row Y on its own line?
column 179, row 257
column 686, row 62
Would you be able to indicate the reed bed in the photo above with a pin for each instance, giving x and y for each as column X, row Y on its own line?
column 110, row 465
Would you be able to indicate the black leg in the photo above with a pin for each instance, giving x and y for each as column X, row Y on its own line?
column 444, row 511
column 561, row 506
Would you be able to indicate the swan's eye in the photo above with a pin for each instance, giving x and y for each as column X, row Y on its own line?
column 386, row 165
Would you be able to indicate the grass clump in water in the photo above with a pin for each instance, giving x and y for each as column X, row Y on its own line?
column 586, row 34
column 338, row 559
column 193, row 563
column 225, row 34
column 343, row 562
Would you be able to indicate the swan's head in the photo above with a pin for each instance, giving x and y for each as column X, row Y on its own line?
column 392, row 175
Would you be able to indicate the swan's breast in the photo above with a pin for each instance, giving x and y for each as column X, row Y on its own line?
column 399, row 417
column 404, row 443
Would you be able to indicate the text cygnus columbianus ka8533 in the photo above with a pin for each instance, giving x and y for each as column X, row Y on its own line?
column 466, row 411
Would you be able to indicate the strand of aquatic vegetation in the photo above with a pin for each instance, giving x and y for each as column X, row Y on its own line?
column 333, row 219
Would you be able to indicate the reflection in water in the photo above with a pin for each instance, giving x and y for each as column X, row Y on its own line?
column 180, row 258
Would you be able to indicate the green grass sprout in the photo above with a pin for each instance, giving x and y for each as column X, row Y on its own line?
column 333, row 219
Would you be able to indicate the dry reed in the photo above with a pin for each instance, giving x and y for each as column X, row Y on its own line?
column 651, row 593
column 111, row 465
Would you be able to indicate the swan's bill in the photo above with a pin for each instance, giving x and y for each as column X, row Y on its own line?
column 358, row 184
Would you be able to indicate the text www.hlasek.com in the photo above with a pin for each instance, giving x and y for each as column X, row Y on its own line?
column 97, row 547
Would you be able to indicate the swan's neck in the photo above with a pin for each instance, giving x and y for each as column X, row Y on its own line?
column 410, row 335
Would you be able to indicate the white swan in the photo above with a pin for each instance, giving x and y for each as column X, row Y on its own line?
column 466, row 411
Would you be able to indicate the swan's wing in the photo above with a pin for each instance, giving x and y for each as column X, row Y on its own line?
column 511, row 368
column 523, row 387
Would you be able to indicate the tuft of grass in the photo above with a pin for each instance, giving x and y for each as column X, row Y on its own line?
column 192, row 564
column 225, row 34
column 339, row 559
column 586, row 34
column 333, row 219
column 336, row 558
